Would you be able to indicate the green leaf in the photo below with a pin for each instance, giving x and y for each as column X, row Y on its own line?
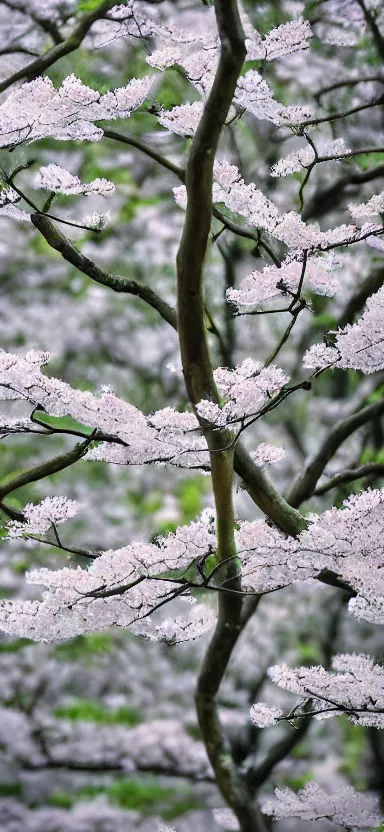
column 89, row 5
column 88, row 710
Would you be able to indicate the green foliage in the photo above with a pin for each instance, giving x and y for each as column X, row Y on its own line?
column 146, row 796
column 376, row 395
column 369, row 160
column 370, row 454
column 309, row 652
column 90, row 5
column 88, row 710
column 354, row 740
column 298, row 781
column 133, row 204
column 301, row 751
column 147, row 503
column 10, row 789
column 64, row 423
column 14, row 645
column 63, row 800
column 264, row 17
column 137, row 794
column 189, row 495
column 86, row 648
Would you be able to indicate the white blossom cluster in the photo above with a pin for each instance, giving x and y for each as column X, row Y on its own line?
column 64, row 613
column 114, row 568
column 198, row 53
column 37, row 109
column 263, row 715
column 227, row 819
column 61, row 181
column 14, row 213
column 286, row 39
column 375, row 242
column 112, row 591
column 254, row 94
column 266, row 454
column 52, row 9
column 246, row 390
column 166, row 436
column 122, row 21
column 344, row 807
column 301, row 159
column 39, row 518
column 95, row 815
column 358, row 346
column 10, row 425
column 341, row 39
column 200, row 620
column 374, row 206
column 173, row 438
column 289, row 228
column 8, row 197
column 178, row 45
column 97, row 220
column 182, row 120
column 269, row 560
column 346, row 541
column 355, row 686
column 274, row 282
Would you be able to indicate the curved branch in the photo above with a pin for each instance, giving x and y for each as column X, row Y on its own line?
column 305, row 484
column 45, row 469
column 327, row 198
column 200, row 384
column 351, row 474
column 229, row 224
column 68, row 250
column 149, row 151
column 377, row 102
column 369, row 286
column 372, row 25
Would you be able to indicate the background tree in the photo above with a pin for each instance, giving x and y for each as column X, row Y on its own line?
column 252, row 336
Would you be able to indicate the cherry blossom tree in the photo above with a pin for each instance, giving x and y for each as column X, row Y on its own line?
column 265, row 304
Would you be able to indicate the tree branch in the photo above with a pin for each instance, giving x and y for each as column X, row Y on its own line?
column 200, row 384
column 264, row 494
column 377, row 102
column 149, row 151
column 305, row 484
column 372, row 25
column 68, row 250
column 45, row 469
column 351, row 474
column 229, row 224
column 326, row 199
column 369, row 286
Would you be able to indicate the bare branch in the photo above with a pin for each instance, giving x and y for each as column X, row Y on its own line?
column 68, row 250
column 45, row 469
column 305, row 484
column 350, row 475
